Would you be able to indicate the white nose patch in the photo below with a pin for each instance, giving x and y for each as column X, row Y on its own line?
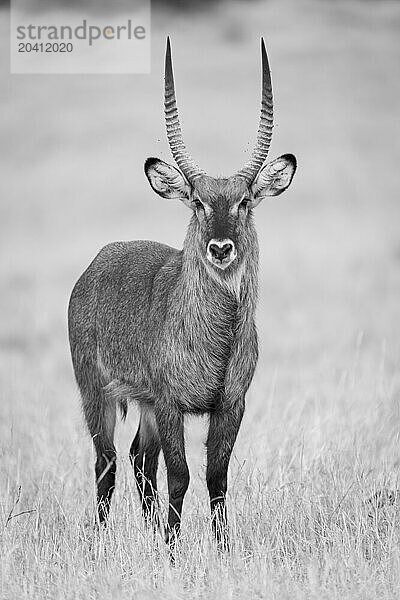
column 221, row 253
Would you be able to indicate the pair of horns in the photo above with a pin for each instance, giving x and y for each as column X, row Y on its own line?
column 174, row 130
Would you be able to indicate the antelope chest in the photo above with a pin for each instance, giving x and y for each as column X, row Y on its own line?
column 196, row 361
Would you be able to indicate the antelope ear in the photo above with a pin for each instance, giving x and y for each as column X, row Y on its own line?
column 166, row 180
column 274, row 178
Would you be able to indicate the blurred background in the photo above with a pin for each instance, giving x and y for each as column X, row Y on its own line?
column 72, row 152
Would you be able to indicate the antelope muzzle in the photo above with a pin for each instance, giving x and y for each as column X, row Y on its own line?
column 221, row 253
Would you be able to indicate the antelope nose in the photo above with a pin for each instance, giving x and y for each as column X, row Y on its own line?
column 220, row 251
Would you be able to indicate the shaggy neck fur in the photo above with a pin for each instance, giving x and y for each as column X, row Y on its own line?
column 217, row 300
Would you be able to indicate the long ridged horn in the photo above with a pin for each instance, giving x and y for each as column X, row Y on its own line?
column 264, row 133
column 174, row 130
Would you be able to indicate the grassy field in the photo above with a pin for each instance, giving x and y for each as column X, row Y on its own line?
column 321, row 431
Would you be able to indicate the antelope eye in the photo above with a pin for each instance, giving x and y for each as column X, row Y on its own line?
column 244, row 202
column 198, row 203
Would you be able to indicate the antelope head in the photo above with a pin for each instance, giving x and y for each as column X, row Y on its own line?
column 222, row 207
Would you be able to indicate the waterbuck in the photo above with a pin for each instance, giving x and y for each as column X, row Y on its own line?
column 173, row 329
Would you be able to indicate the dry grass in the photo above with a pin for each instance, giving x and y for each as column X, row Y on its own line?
column 321, row 432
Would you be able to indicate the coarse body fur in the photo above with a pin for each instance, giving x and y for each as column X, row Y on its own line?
column 155, row 326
